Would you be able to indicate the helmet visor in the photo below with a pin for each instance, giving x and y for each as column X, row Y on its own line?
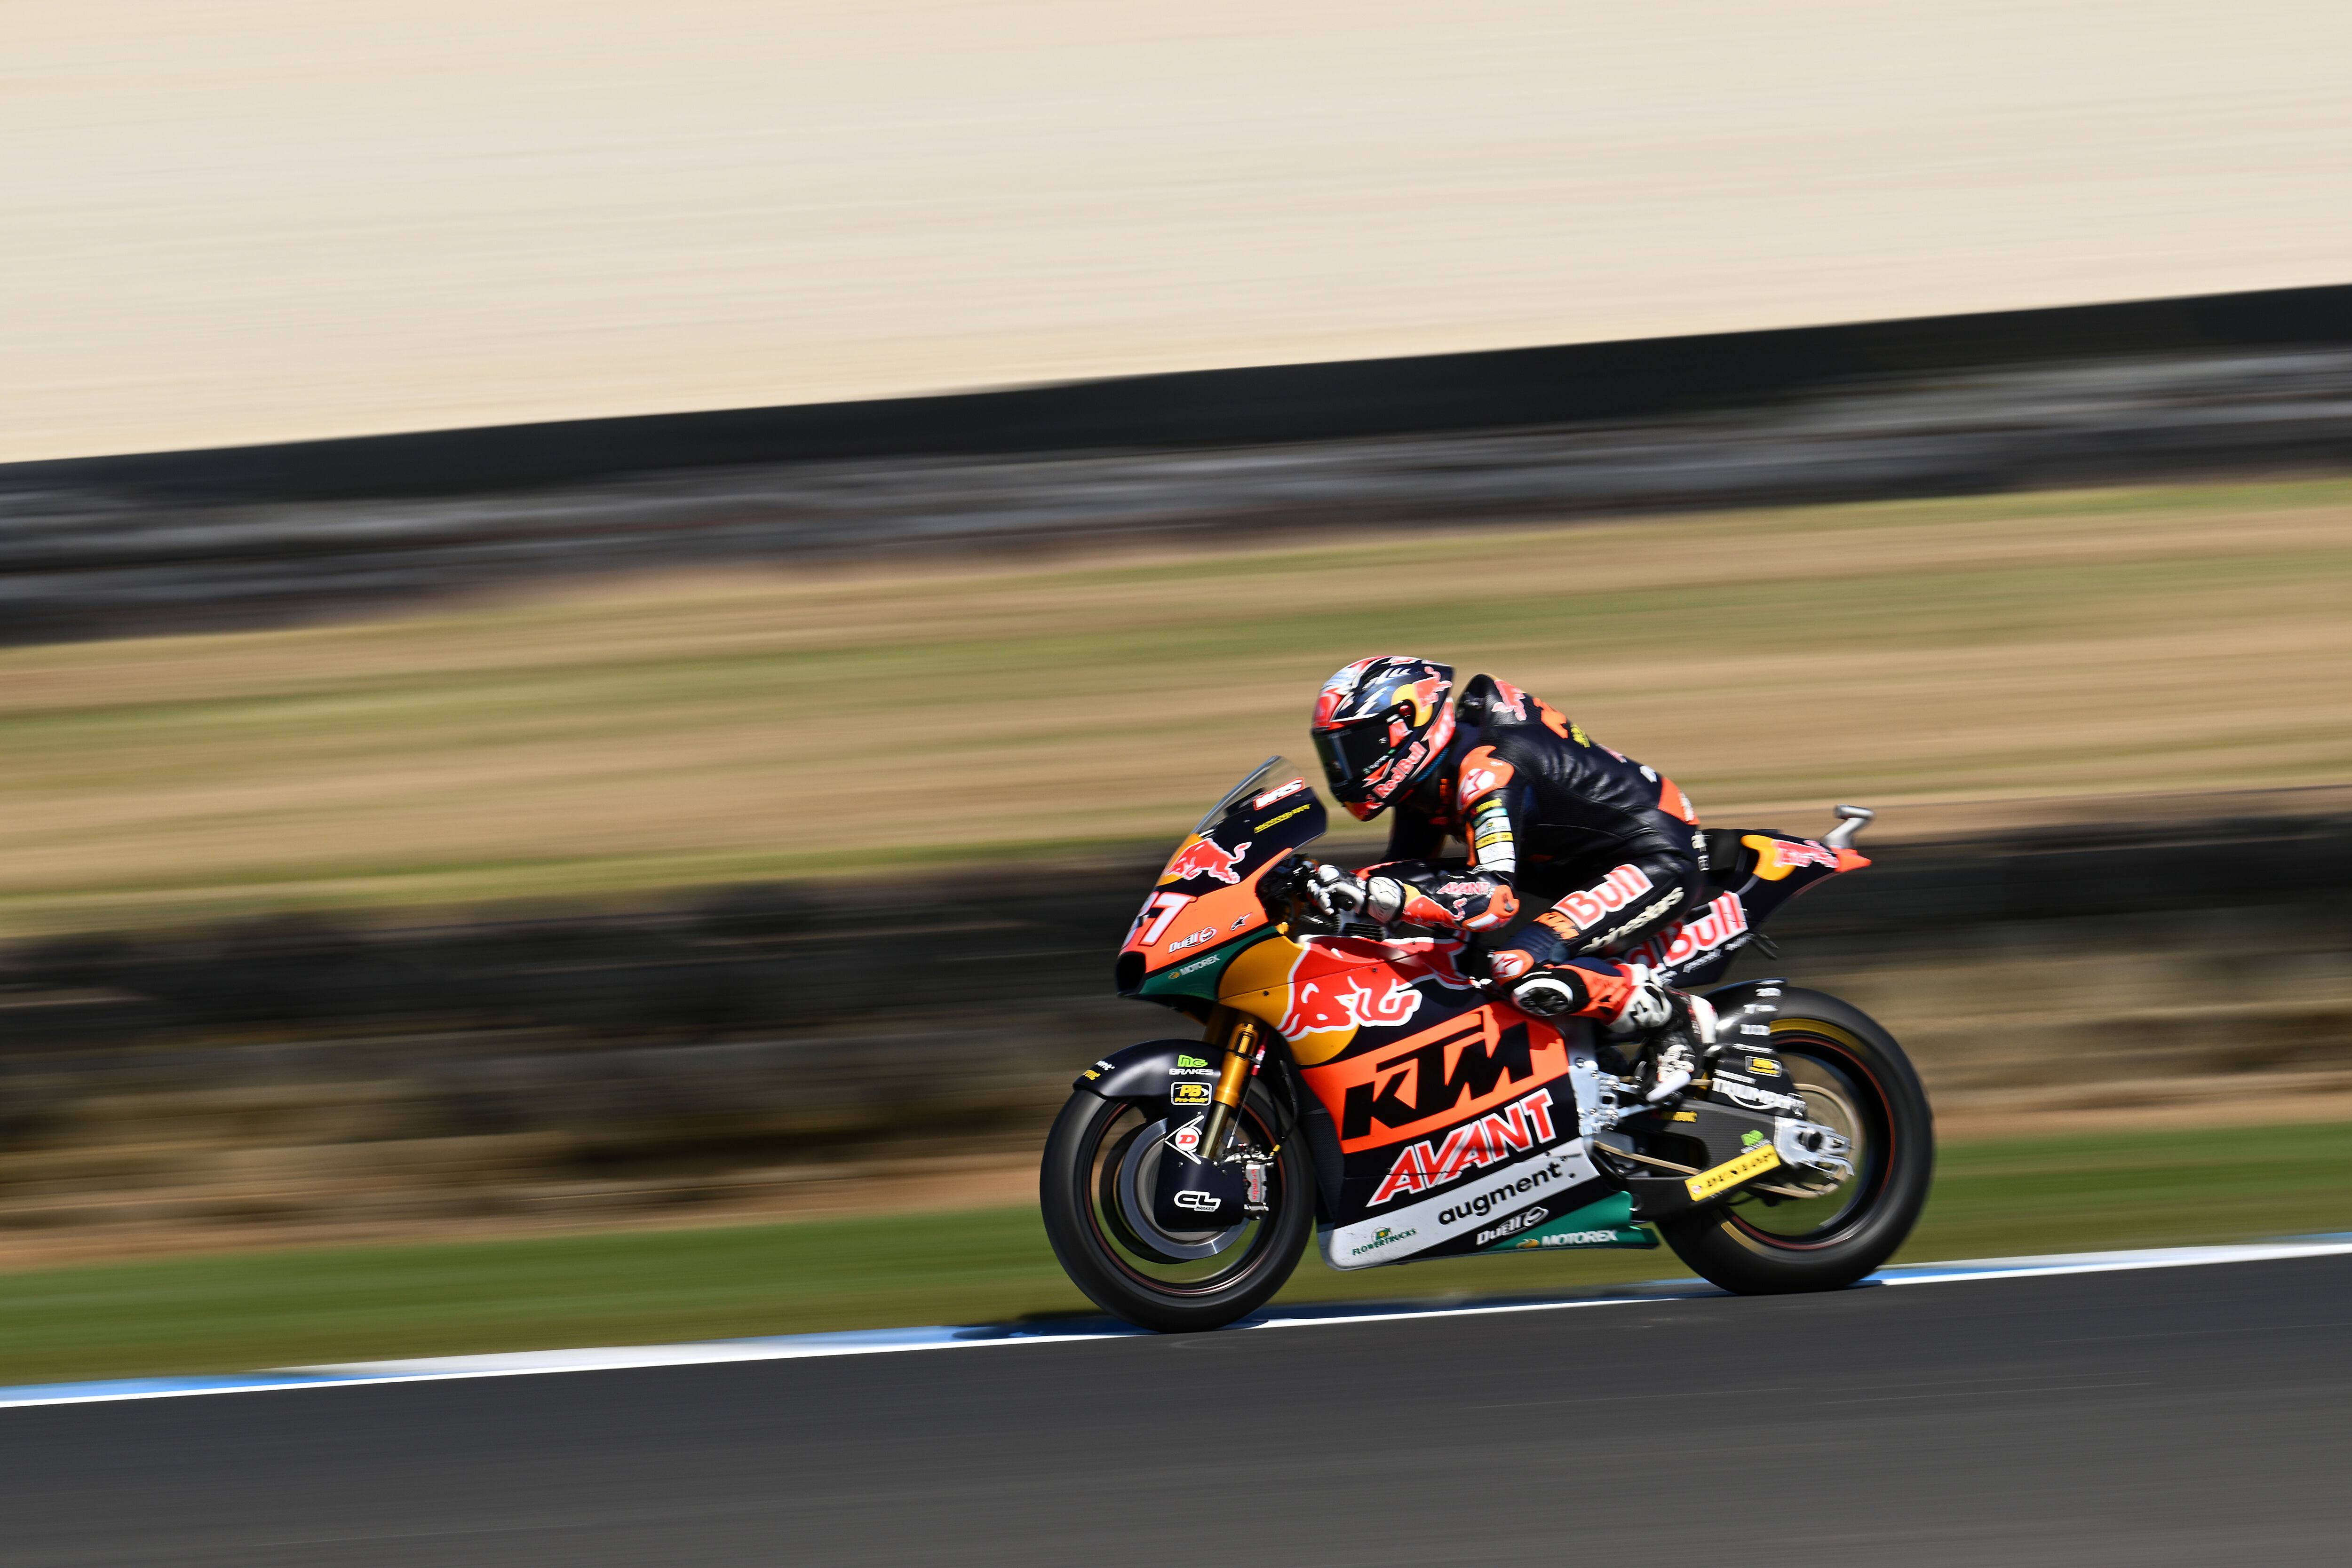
column 1351, row 753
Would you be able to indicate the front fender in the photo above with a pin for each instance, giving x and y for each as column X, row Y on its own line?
column 1145, row 1071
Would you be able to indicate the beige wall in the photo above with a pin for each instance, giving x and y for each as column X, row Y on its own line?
column 242, row 220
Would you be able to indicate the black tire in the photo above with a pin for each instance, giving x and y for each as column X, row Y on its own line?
column 1735, row 1243
column 1105, row 1256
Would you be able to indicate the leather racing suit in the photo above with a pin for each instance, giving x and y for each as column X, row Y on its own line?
column 1575, row 851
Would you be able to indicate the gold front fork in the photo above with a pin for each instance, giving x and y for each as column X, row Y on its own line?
column 1239, row 1034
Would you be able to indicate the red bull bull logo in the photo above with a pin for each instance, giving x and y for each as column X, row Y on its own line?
column 1354, row 999
column 1206, row 857
column 1424, row 696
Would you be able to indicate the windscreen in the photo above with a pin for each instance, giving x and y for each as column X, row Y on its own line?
column 1271, row 796
column 1253, row 783
column 1206, row 908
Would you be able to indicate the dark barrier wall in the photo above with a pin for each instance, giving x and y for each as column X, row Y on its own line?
column 767, row 1038
column 1284, row 403
column 1001, row 946
column 2109, row 394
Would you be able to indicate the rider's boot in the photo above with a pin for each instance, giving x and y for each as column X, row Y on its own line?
column 1675, row 1027
column 1670, row 1029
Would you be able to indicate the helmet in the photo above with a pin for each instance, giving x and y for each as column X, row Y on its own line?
column 1378, row 726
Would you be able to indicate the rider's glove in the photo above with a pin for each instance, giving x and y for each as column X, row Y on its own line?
column 1339, row 895
column 1545, row 996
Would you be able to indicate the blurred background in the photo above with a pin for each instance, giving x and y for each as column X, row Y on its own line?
column 605, row 610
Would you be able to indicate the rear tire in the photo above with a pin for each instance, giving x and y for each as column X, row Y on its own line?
column 1107, row 1253
column 1872, row 1214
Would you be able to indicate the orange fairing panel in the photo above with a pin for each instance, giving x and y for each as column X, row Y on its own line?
column 1470, row 1063
column 1207, row 894
column 1177, row 926
column 1320, row 994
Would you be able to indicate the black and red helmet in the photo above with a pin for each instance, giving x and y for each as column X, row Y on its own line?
column 1378, row 726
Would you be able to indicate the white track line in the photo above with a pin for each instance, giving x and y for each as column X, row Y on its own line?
column 882, row 1342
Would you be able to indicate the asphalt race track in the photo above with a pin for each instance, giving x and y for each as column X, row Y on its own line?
column 2173, row 1417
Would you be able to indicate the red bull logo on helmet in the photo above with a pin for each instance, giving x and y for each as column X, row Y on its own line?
column 1337, row 690
column 1206, row 857
column 1367, row 687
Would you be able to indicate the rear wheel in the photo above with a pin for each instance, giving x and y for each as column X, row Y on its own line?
column 1855, row 1079
column 1101, row 1162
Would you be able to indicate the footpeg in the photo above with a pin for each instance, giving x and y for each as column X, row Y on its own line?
column 1603, row 1099
column 1674, row 1064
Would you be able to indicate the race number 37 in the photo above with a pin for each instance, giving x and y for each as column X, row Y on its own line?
column 1158, row 911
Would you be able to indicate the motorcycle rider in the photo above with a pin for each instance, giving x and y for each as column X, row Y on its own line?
column 1575, row 852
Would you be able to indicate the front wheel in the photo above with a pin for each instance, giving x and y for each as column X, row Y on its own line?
column 1853, row 1078
column 1100, row 1166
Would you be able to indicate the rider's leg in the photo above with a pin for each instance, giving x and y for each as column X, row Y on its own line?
column 1618, row 907
column 1554, row 967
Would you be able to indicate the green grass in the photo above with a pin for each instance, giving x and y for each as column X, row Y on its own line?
column 234, row 1312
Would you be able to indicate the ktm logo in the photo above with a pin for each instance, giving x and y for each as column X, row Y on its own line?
column 1415, row 1085
column 1514, row 1129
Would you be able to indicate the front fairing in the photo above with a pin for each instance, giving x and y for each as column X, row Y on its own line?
column 1205, row 910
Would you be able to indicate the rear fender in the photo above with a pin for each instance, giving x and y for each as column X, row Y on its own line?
column 1744, row 1013
column 1750, row 876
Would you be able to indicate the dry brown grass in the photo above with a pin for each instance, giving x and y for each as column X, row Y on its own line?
column 769, row 722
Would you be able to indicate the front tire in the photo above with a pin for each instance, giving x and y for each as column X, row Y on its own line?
column 1125, row 1264
column 1850, row 1071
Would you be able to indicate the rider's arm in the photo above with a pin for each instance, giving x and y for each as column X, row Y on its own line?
column 1495, row 805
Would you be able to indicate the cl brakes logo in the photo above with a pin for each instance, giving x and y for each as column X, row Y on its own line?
column 1200, row 1202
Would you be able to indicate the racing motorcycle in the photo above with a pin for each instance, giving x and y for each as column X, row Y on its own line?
column 1355, row 1085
